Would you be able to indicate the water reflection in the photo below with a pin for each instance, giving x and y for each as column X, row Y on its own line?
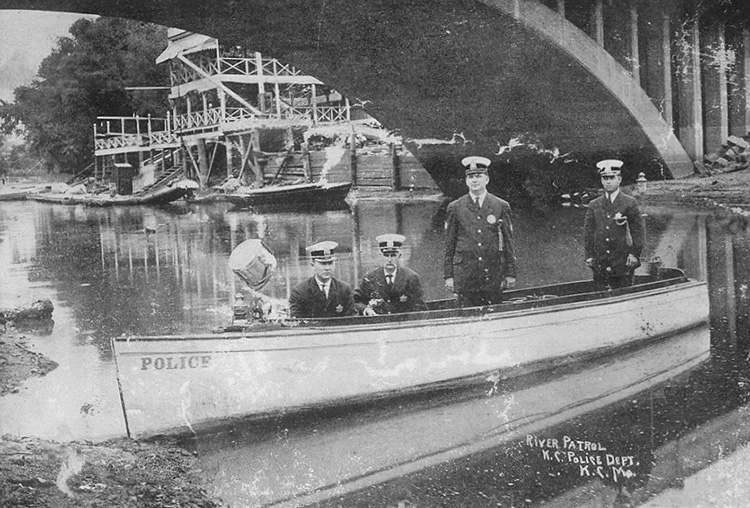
column 163, row 270
column 432, row 444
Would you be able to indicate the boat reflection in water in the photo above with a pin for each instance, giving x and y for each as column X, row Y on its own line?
column 414, row 442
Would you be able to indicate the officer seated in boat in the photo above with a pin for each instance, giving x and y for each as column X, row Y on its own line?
column 322, row 295
column 390, row 288
column 613, row 231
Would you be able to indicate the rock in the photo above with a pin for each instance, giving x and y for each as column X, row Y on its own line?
column 737, row 141
column 731, row 154
column 701, row 169
column 40, row 309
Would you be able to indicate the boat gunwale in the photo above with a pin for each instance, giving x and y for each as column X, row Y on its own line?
column 427, row 318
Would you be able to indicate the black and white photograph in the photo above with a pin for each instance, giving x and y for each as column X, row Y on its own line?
column 374, row 254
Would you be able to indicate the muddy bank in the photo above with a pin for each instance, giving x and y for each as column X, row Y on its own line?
column 117, row 473
column 17, row 361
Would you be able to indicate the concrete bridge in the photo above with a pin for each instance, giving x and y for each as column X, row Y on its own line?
column 658, row 84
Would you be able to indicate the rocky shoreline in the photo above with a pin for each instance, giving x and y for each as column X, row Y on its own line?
column 126, row 473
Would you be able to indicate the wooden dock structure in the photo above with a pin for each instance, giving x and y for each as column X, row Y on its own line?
column 239, row 114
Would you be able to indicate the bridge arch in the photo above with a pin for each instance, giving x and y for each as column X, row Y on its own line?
column 618, row 80
column 455, row 77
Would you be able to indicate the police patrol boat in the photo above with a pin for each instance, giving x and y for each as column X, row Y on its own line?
column 192, row 383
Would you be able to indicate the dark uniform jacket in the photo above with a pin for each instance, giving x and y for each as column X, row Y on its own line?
column 405, row 295
column 473, row 255
column 605, row 241
column 308, row 301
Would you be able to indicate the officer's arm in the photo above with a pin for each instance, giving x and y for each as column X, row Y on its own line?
column 362, row 296
column 349, row 309
column 451, row 237
column 637, row 230
column 589, row 226
column 509, row 246
column 296, row 308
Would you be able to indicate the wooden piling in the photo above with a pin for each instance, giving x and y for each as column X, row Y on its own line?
column 396, row 164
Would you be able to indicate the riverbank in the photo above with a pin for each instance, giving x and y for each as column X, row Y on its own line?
column 116, row 473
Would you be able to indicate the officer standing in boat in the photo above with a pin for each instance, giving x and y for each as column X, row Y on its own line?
column 480, row 260
column 613, row 231
column 322, row 295
column 391, row 288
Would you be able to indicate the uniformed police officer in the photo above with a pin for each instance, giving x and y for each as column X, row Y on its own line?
column 613, row 231
column 480, row 259
column 391, row 288
column 322, row 295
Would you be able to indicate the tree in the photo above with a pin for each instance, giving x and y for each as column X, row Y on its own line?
column 84, row 77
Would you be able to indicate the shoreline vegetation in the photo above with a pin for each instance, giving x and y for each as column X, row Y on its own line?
column 125, row 473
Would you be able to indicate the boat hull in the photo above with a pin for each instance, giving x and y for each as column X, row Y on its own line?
column 300, row 195
column 160, row 196
column 14, row 196
column 178, row 384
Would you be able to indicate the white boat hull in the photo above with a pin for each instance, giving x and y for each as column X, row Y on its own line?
column 178, row 384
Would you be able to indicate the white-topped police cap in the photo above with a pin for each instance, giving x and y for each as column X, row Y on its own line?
column 322, row 251
column 475, row 164
column 609, row 167
column 390, row 242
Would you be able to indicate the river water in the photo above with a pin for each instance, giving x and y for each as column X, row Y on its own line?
column 113, row 271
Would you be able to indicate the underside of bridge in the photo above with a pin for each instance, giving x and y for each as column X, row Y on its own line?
column 454, row 77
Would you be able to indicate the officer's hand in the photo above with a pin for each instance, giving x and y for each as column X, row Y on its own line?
column 449, row 284
column 509, row 283
column 589, row 262
column 369, row 312
column 631, row 261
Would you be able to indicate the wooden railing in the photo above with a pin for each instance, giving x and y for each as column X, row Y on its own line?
column 197, row 120
column 118, row 141
column 113, row 133
column 257, row 67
